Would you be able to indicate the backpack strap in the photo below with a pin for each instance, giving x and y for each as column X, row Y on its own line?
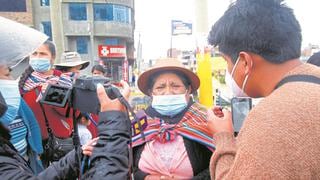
column 299, row 78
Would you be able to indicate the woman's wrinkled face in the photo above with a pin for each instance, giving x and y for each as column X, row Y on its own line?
column 168, row 84
column 5, row 72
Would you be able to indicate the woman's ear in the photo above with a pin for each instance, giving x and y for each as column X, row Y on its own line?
column 189, row 89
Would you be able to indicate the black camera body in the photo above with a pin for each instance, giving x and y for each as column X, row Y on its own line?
column 82, row 95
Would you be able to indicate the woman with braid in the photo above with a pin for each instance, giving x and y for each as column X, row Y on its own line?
column 33, row 83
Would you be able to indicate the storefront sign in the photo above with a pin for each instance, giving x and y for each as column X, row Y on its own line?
column 112, row 51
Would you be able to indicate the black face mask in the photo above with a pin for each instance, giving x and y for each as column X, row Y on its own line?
column 3, row 105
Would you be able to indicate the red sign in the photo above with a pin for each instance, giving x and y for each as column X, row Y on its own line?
column 111, row 51
column 125, row 72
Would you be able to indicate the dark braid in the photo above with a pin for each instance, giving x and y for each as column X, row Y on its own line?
column 24, row 77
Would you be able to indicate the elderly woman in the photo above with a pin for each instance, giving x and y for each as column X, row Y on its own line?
column 176, row 144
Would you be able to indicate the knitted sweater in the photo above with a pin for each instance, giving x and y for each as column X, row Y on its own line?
column 279, row 138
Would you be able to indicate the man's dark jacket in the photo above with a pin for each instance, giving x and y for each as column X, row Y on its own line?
column 110, row 159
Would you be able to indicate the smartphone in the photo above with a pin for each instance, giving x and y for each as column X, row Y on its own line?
column 240, row 107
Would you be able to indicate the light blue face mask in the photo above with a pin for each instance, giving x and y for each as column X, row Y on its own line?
column 10, row 92
column 169, row 105
column 40, row 64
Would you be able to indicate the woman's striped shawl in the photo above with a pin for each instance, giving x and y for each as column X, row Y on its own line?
column 192, row 126
column 36, row 80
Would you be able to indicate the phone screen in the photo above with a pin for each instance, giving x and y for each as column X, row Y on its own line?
column 240, row 107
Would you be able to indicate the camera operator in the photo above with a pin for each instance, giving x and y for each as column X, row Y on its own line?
column 14, row 166
column 109, row 158
column 111, row 152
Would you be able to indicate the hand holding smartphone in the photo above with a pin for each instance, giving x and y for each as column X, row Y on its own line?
column 219, row 120
column 240, row 107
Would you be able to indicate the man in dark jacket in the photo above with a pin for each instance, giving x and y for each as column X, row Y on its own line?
column 109, row 159
column 110, row 156
column 14, row 166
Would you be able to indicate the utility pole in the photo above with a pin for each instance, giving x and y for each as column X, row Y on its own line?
column 57, row 27
column 139, row 54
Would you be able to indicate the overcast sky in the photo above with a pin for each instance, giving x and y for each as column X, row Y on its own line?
column 153, row 22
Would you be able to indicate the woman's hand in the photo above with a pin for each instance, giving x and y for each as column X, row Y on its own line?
column 106, row 104
column 219, row 120
column 88, row 147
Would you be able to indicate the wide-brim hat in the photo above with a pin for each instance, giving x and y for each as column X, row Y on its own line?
column 168, row 64
column 72, row 59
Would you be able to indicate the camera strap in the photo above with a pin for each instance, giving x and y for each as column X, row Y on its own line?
column 299, row 78
column 49, row 130
column 128, row 107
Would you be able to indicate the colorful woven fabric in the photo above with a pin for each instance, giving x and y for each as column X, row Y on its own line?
column 37, row 79
column 193, row 126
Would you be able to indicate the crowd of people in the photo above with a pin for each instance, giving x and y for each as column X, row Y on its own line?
column 260, row 41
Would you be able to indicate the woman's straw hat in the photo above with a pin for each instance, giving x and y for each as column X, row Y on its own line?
column 168, row 64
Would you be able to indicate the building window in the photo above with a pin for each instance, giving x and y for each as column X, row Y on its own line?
column 119, row 13
column 82, row 45
column 47, row 28
column 128, row 11
column 103, row 12
column 13, row 6
column 45, row 2
column 78, row 11
column 112, row 12
column 112, row 41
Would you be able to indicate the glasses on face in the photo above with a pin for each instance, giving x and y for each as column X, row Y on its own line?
column 172, row 88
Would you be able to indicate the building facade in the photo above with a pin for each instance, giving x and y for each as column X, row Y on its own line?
column 100, row 30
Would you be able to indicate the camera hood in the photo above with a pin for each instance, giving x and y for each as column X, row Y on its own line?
column 90, row 82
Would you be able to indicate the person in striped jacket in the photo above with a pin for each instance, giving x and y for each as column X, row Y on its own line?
column 20, row 120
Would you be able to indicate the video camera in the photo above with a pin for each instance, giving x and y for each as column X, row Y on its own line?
column 82, row 95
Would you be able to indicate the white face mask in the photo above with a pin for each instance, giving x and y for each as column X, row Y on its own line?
column 169, row 105
column 231, row 83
